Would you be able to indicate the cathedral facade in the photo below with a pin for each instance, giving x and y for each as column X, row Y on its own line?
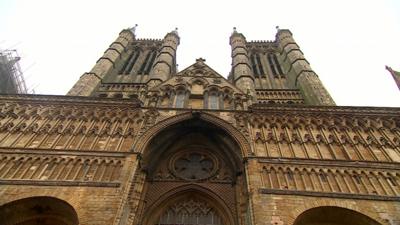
column 136, row 142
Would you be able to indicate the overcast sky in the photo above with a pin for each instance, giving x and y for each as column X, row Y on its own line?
column 348, row 43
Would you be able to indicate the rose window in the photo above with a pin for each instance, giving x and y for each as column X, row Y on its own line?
column 194, row 166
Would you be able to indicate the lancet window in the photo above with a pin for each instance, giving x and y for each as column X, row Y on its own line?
column 213, row 100
column 257, row 65
column 180, row 99
column 274, row 65
column 130, row 62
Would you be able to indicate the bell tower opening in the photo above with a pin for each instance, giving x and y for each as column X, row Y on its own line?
column 194, row 175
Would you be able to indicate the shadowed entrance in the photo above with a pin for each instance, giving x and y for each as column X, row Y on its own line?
column 329, row 215
column 38, row 210
column 192, row 153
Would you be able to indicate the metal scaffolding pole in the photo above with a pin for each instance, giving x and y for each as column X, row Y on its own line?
column 11, row 77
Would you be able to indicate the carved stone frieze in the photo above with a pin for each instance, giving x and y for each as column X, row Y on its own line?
column 341, row 180
column 51, row 168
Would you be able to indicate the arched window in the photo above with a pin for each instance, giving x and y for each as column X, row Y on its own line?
column 213, row 100
column 190, row 211
column 180, row 99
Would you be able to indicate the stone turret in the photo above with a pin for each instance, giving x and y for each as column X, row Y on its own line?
column 165, row 63
column 88, row 82
column 299, row 71
column 242, row 75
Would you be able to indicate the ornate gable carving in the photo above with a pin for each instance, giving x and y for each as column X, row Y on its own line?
column 197, row 83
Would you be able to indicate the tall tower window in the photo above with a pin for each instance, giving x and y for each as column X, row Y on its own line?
column 129, row 63
column 143, row 67
column 277, row 65
column 253, row 65
column 126, row 63
column 274, row 65
column 148, row 62
column 271, row 64
column 256, row 65
column 132, row 63
column 260, row 67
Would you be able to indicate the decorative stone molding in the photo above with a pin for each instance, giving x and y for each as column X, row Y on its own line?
column 63, row 170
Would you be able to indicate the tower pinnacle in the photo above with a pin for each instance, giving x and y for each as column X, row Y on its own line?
column 133, row 29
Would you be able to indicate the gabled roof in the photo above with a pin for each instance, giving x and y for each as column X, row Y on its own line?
column 198, row 70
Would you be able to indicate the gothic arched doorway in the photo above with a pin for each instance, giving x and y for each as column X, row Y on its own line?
column 194, row 152
column 38, row 210
column 330, row 215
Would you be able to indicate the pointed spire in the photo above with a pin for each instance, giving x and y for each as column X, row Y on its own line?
column 395, row 75
column 175, row 31
column 234, row 30
column 133, row 29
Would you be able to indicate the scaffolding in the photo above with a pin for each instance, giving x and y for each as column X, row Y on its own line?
column 11, row 77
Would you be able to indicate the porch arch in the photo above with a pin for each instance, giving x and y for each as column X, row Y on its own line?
column 143, row 141
column 38, row 210
column 333, row 215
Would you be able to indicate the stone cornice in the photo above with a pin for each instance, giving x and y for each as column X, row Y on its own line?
column 64, row 152
column 328, row 194
column 329, row 163
column 59, row 183
column 336, row 110
column 69, row 100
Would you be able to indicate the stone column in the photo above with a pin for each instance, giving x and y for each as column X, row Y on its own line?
column 164, row 64
column 88, row 82
column 243, row 77
column 299, row 71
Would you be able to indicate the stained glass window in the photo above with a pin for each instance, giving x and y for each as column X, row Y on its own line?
column 190, row 211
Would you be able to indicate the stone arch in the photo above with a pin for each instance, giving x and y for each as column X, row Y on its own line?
column 349, row 209
column 241, row 140
column 202, row 134
column 333, row 215
column 184, row 192
column 38, row 210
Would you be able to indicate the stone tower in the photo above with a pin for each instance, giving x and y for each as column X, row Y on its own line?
column 136, row 142
column 143, row 63
column 279, row 68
